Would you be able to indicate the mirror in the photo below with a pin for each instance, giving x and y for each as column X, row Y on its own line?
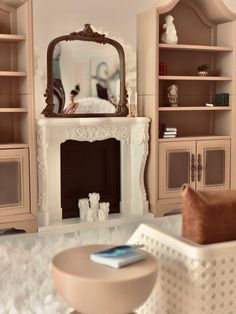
column 86, row 76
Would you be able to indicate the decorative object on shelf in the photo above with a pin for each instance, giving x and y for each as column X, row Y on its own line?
column 162, row 68
column 167, row 132
column 173, row 95
column 104, row 209
column 221, row 99
column 83, row 205
column 170, row 35
column 203, row 69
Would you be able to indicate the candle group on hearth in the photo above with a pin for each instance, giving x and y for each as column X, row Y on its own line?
column 91, row 209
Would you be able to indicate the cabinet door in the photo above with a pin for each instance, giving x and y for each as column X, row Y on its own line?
column 213, row 164
column 176, row 167
column 14, row 182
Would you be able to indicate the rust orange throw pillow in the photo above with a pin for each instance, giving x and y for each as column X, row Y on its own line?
column 208, row 217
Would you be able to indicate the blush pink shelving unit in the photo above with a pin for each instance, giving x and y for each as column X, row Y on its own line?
column 203, row 153
column 18, row 197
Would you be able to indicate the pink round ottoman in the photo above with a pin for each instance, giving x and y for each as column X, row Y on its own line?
column 92, row 288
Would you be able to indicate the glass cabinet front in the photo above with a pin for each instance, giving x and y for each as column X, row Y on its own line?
column 213, row 164
column 10, row 183
column 176, row 167
column 14, row 182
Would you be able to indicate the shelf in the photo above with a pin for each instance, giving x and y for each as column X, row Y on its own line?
column 16, row 110
column 195, row 48
column 13, row 145
column 14, row 3
column 11, row 38
column 194, row 78
column 196, row 108
column 13, row 73
column 194, row 138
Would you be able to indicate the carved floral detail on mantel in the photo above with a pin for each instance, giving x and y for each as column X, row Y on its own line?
column 90, row 133
column 140, row 137
column 42, row 146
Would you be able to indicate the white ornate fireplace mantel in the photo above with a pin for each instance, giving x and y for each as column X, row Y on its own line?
column 131, row 132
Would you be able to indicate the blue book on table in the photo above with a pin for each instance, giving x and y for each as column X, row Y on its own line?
column 118, row 256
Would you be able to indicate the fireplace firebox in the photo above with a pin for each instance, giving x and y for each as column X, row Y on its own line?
column 89, row 167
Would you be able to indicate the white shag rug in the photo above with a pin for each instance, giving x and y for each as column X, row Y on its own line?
column 26, row 285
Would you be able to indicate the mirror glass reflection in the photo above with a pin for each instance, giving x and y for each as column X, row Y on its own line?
column 86, row 78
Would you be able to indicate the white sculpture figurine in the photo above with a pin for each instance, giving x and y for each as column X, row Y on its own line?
column 169, row 36
column 173, row 95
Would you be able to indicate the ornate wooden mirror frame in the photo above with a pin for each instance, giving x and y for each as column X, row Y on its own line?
column 87, row 34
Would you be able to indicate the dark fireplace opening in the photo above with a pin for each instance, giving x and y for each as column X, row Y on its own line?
column 89, row 167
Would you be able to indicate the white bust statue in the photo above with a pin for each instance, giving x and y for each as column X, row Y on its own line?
column 173, row 95
column 169, row 36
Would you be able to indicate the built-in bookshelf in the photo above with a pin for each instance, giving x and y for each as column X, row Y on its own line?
column 17, row 132
column 200, row 120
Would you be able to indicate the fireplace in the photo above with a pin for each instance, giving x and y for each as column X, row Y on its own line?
column 89, row 167
column 131, row 134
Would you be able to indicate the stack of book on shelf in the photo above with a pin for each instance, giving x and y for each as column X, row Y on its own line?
column 167, row 132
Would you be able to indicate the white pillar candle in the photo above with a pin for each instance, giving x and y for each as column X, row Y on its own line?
column 92, row 215
column 83, row 204
column 102, row 216
column 94, row 199
column 104, row 208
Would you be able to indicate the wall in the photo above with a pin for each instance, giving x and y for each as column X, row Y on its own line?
column 56, row 17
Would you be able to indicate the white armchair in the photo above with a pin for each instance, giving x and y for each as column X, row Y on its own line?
column 192, row 279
